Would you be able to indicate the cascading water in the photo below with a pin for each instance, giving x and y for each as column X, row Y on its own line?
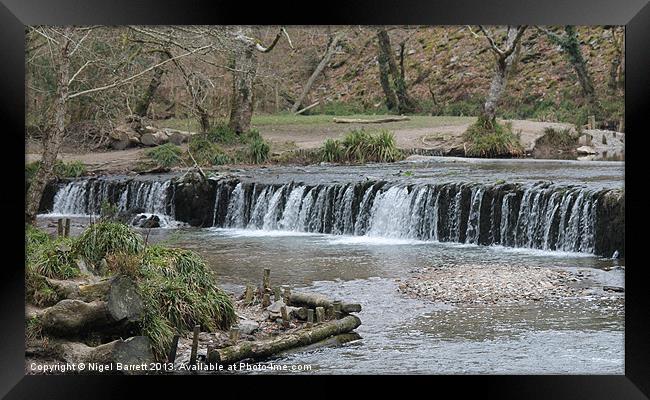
column 85, row 197
column 539, row 216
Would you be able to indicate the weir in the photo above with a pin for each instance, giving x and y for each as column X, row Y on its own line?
column 538, row 215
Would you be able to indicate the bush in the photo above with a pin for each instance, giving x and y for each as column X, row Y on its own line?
column 221, row 133
column 206, row 152
column 179, row 292
column 258, row 150
column 557, row 138
column 105, row 238
column 361, row 146
column 165, row 155
column 490, row 139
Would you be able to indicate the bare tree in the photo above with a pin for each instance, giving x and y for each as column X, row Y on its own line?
column 64, row 48
column 332, row 45
column 617, row 70
column 392, row 77
column 571, row 46
column 244, row 69
column 504, row 55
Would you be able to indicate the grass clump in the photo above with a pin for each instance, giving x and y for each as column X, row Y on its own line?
column 179, row 292
column 206, row 152
column 72, row 169
column 487, row 138
column 562, row 138
column 221, row 133
column 107, row 237
column 361, row 146
column 165, row 155
column 258, row 150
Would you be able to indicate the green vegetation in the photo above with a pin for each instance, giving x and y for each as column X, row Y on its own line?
column 177, row 287
column 72, row 169
column 258, row 150
column 105, row 238
column 206, row 152
column 165, row 155
column 490, row 139
column 360, row 146
column 557, row 139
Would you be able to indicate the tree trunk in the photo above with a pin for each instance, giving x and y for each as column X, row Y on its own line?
column 142, row 107
column 312, row 300
column 241, row 110
column 384, row 72
column 504, row 63
column 404, row 103
column 329, row 52
column 571, row 45
column 267, row 348
column 54, row 138
column 109, row 305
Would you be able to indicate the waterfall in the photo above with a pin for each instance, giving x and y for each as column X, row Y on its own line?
column 540, row 216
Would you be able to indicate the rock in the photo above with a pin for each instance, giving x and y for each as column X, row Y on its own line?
column 247, row 326
column 146, row 221
column 616, row 289
column 585, row 150
column 275, row 306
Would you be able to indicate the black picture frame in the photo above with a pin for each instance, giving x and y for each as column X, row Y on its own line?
column 634, row 14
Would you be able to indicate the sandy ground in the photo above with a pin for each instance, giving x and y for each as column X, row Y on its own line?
column 432, row 133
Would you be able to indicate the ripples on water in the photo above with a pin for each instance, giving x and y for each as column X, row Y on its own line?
column 403, row 335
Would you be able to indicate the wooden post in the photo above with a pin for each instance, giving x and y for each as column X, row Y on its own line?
column 248, row 295
column 209, row 356
column 287, row 294
column 234, row 335
column 266, row 280
column 320, row 314
column 285, row 316
column 195, row 344
column 59, row 227
column 172, row 352
column 310, row 318
column 592, row 122
column 337, row 306
column 266, row 300
column 66, row 231
column 276, row 294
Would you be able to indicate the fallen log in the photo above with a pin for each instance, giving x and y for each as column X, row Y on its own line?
column 267, row 348
column 313, row 300
column 178, row 137
column 110, row 304
column 131, row 352
column 369, row 121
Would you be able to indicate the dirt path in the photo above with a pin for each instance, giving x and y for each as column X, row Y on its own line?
column 432, row 133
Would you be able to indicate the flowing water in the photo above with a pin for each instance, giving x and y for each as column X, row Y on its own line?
column 355, row 232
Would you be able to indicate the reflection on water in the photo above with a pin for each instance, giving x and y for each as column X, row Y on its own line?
column 403, row 335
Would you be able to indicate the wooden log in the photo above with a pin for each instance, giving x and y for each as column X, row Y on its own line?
column 248, row 295
column 285, row 316
column 234, row 334
column 116, row 305
column 336, row 307
column 370, row 121
column 276, row 294
column 313, row 300
column 133, row 351
column 59, row 227
column 178, row 137
column 66, row 229
column 287, row 294
column 310, row 317
column 262, row 349
column 307, row 108
column 266, row 300
column 320, row 315
column 172, row 351
column 333, row 341
column 195, row 344
column 266, row 280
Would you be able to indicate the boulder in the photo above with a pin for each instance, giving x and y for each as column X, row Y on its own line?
column 585, row 150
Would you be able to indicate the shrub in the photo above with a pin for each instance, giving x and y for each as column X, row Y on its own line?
column 490, row 139
column 165, row 155
column 562, row 138
column 53, row 259
column 179, row 292
column 105, row 238
column 221, row 133
column 73, row 169
column 258, row 150
column 361, row 146
column 206, row 152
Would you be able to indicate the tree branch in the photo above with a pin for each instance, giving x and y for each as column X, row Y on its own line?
column 124, row 81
